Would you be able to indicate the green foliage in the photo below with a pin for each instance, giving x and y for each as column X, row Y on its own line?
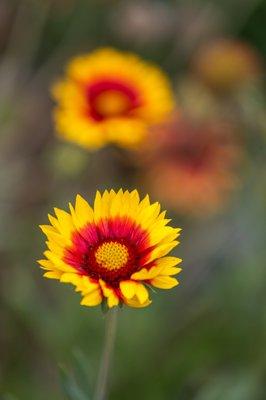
column 70, row 388
column 75, row 381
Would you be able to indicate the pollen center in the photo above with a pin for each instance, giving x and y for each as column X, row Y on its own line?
column 112, row 255
column 112, row 103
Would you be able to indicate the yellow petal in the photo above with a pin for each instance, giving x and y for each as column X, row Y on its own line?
column 69, row 277
column 164, row 282
column 128, row 288
column 168, row 261
column 66, row 226
column 159, row 234
column 134, row 302
column 112, row 300
column 47, row 229
column 92, row 299
column 142, row 293
column 54, row 222
column 170, row 271
column 77, row 223
column 46, row 264
column 134, row 195
column 109, row 293
column 144, row 203
column 55, row 248
column 86, row 285
column 162, row 250
column 98, row 212
column 53, row 274
column 58, row 263
column 106, row 202
column 148, row 215
column 167, row 265
column 146, row 274
column 117, row 204
column 171, row 236
column 53, row 235
column 84, row 212
column 161, row 216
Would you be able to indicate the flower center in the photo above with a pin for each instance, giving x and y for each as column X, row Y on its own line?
column 112, row 250
column 109, row 98
column 112, row 103
column 112, row 255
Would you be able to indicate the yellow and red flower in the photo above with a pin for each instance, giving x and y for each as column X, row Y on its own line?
column 112, row 252
column 110, row 97
column 195, row 163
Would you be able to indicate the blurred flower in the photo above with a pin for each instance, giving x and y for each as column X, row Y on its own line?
column 227, row 64
column 144, row 21
column 108, row 96
column 112, row 251
column 194, row 164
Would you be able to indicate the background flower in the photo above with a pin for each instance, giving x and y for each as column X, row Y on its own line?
column 109, row 96
column 195, row 162
column 227, row 64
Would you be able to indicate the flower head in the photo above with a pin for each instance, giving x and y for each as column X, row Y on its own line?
column 110, row 96
column 227, row 64
column 112, row 252
column 195, row 163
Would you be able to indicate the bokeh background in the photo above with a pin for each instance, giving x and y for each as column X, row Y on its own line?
column 204, row 340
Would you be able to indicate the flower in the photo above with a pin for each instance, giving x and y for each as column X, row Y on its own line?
column 142, row 22
column 226, row 64
column 195, row 163
column 110, row 97
column 112, row 252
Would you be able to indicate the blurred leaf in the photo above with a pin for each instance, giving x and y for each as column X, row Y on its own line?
column 70, row 387
column 9, row 397
column 236, row 387
column 82, row 371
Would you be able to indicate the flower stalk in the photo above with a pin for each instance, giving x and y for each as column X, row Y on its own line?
column 101, row 390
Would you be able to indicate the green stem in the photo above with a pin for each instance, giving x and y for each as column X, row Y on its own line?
column 109, row 339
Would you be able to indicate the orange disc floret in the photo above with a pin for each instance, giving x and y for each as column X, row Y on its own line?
column 112, row 252
column 110, row 97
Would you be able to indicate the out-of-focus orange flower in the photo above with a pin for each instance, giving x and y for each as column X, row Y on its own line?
column 109, row 96
column 191, row 166
column 227, row 64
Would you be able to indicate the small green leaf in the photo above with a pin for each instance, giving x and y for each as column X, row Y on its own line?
column 69, row 386
column 81, row 366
